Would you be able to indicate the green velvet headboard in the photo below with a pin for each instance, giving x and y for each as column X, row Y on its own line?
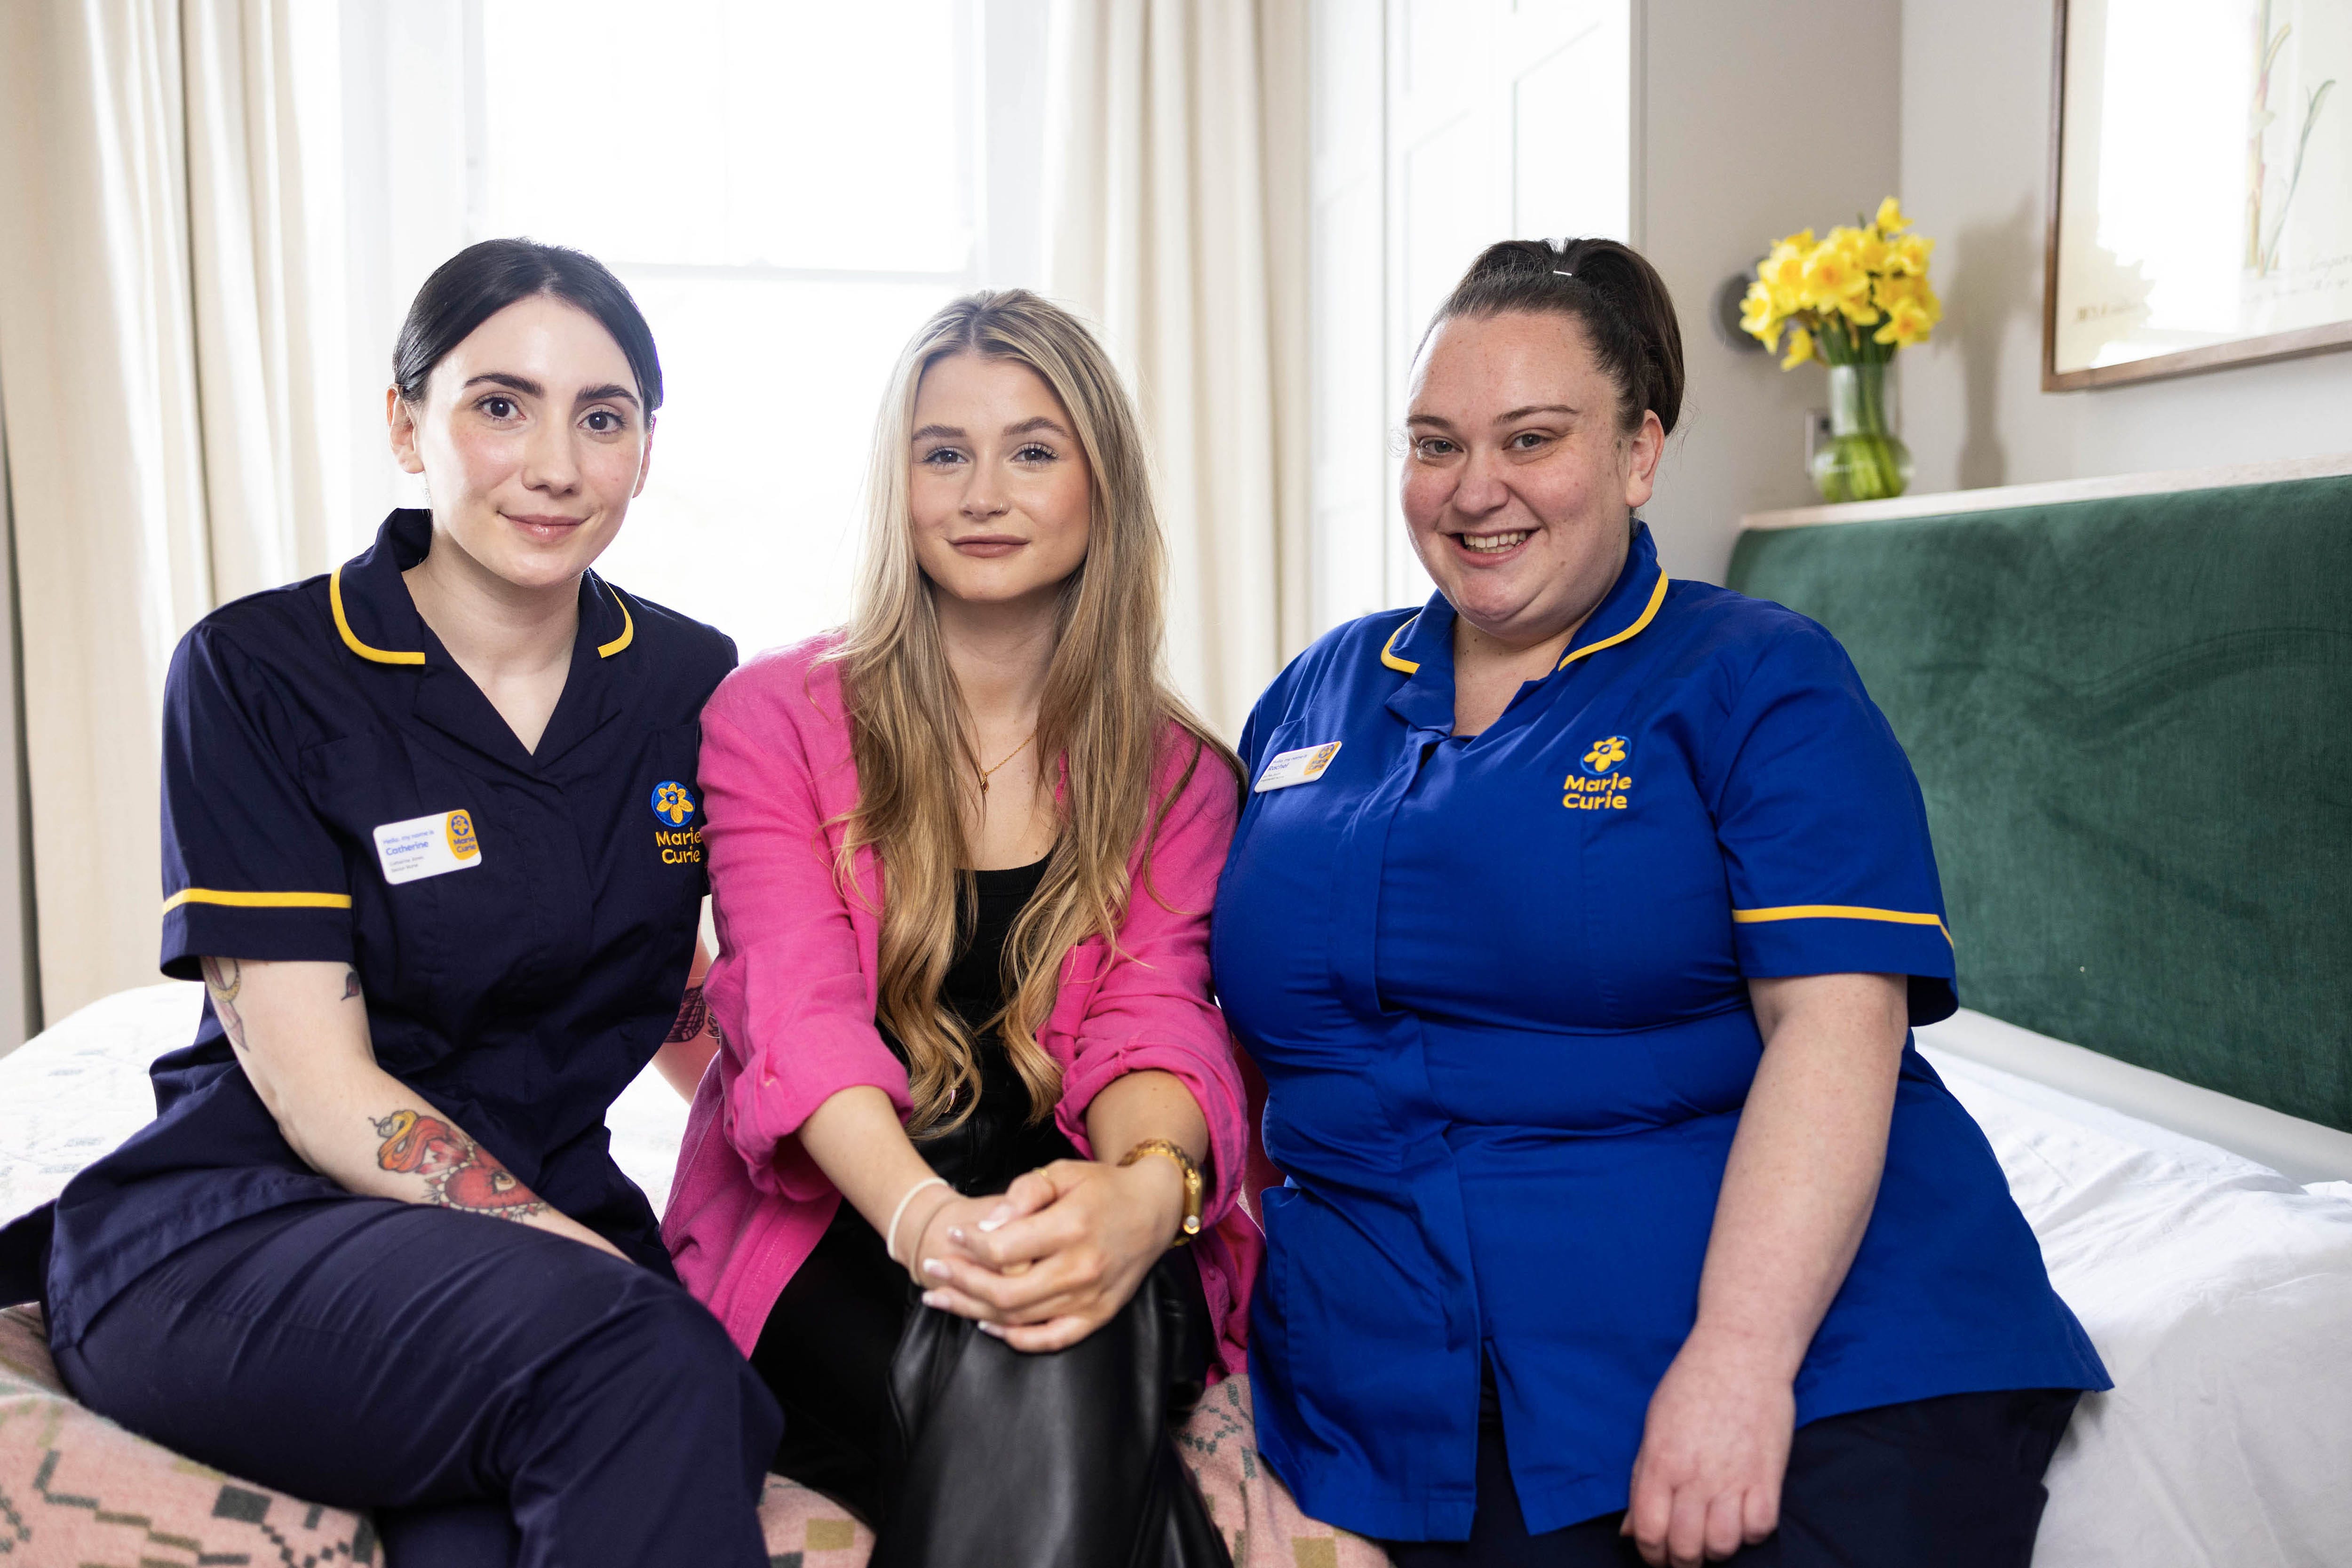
column 2132, row 719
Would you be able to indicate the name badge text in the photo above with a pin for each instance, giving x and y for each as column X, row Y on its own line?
column 428, row 846
column 1302, row 766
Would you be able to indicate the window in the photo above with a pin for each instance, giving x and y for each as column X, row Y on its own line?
column 789, row 189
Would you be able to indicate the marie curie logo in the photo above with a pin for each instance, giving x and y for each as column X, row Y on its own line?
column 1605, row 755
column 673, row 803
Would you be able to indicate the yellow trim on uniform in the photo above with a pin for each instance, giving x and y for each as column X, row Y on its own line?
column 257, row 900
column 342, row 625
column 1390, row 659
column 628, row 628
column 1841, row 913
column 1657, row 598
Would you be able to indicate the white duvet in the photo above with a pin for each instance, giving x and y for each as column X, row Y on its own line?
column 2217, row 1292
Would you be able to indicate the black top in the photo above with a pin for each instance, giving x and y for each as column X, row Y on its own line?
column 996, row 1142
column 336, row 788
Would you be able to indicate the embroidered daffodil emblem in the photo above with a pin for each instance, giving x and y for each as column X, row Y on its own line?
column 1605, row 755
column 673, row 802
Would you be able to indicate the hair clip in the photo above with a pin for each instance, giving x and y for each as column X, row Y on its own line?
column 1561, row 272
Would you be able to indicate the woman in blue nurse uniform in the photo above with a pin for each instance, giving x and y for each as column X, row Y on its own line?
column 431, row 838
column 1577, row 921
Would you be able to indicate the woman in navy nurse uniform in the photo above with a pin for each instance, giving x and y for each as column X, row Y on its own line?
column 430, row 838
column 1577, row 921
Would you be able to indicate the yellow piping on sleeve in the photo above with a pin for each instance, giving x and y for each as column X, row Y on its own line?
column 343, row 626
column 257, row 900
column 1657, row 598
column 1841, row 913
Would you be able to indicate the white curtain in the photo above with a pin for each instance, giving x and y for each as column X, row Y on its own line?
column 161, row 363
column 1176, row 137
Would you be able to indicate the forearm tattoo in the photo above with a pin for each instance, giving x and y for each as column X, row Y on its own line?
column 224, row 978
column 693, row 1014
column 460, row 1174
column 351, row 983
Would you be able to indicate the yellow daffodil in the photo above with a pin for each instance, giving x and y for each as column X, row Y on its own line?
column 1906, row 323
column 1869, row 249
column 1823, row 293
column 1832, row 279
column 1758, row 316
column 1783, row 272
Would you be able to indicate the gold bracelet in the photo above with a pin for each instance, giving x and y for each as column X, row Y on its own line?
column 1166, row 1149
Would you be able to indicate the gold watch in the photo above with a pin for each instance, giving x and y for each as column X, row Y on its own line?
column 1166, row 1149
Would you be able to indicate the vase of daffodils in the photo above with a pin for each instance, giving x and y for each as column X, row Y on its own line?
column 1849, row 300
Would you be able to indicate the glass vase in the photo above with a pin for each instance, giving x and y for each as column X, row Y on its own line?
column 1864, row 459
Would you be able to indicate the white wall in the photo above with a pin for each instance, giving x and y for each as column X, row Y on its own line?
column 1442, row 125
column 1975, row 157
column 1755, row 120
column 1437, row 128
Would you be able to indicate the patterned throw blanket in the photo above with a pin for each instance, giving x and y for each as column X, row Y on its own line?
column 76, row 1489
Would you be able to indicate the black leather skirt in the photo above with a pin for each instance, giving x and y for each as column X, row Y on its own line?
column 962, row 1452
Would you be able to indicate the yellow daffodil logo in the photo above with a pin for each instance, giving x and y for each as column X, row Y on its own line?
column 462, row 843
column 673, row 803
column 1605, row 755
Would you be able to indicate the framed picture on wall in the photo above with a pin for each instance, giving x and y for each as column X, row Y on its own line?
column 2201, row 187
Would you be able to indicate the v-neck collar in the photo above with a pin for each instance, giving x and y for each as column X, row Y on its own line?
column 1421, row 649
column 377, row 622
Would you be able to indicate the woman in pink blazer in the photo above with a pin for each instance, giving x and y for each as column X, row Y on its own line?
column 972, row 1098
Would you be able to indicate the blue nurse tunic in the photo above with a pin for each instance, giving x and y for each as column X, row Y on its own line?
column 519, row 968
column 1495, row 984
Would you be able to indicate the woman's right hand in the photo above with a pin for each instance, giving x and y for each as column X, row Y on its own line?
column 930, row 1234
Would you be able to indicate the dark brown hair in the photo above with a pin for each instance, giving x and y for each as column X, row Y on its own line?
column 483, row 279
column 1618, row 296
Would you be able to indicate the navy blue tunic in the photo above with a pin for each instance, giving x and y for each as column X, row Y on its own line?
column 1498, row 986
column 517, row 986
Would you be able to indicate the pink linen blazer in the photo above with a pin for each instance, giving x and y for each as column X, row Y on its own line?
column 795, row 984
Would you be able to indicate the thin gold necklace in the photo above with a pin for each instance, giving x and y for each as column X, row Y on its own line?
column 1008, row 757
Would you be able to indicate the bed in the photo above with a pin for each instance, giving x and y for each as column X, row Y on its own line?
column 2129, row 704
column 2219, row 1290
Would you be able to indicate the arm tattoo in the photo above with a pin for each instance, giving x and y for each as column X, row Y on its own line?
column 693, row 1014
column 460, row 1174
column 224, row 978
column 351, row 983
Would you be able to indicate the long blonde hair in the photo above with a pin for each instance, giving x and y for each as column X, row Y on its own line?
column 1103, row 715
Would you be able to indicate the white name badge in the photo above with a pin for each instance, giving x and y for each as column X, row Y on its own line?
column 1304, row 765
column 428, row 846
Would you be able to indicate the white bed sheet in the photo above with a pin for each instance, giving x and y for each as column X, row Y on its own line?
column 2220, row 1295
column 80, row 1087
column 2217, row 1292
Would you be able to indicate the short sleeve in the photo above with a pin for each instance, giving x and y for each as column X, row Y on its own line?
column 1823, row 833
column 249, row 870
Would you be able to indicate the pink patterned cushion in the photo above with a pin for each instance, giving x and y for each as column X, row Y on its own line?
column 77, row 1488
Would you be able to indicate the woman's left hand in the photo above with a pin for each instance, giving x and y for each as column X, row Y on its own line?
column 1714, row 1452
column 1074, row 1242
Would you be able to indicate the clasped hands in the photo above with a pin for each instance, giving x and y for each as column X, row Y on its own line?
column 1048, row 1261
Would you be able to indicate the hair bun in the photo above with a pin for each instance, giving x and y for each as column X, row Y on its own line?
column 1608, row 286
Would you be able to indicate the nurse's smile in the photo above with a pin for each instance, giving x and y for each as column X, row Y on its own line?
column 546, row 530
column 1520, row 477
column 533, row 439
column 1488, row 550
